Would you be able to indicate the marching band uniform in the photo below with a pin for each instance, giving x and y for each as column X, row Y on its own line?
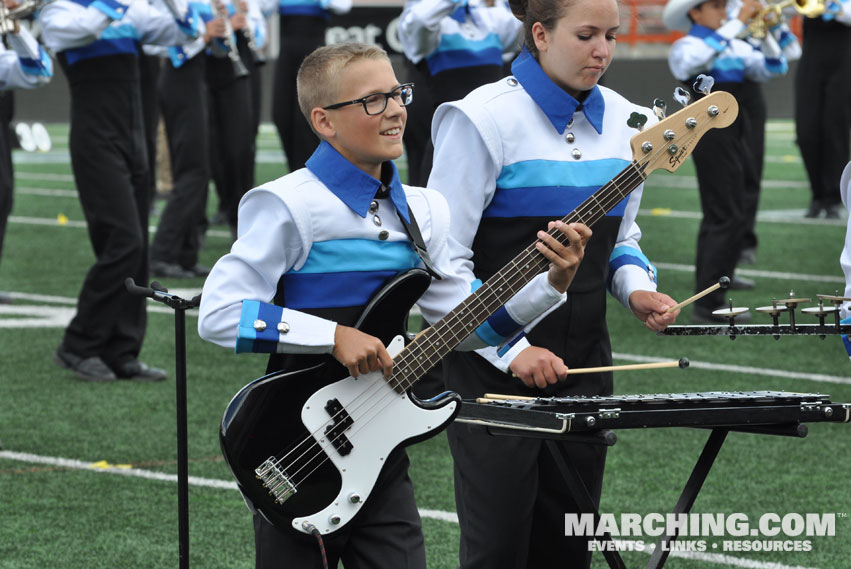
column 23, row 65
column 458, row 45
column 822, row 111
column 231, row 122
column 845, row 256
column 302, row 29
column 512, row 184
column 97, row 44
column 723, row 190
column 752, row 103
column 309, row 243
column 183, row 103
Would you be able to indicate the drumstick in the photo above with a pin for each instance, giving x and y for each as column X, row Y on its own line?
column 681, row 363
column 723, row 282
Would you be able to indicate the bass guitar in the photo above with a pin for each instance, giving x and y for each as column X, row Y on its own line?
column 307, row 444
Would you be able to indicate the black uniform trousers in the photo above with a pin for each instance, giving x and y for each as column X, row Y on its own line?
column 822, row 109
column 510, row 496
column 300, row 35
column 110, row 166
column 7, row 176
column 385, row 534
column 752, row 104
column 183, row 100
column 255, row 78
column 231, row 132
column 149, row 72
column 725, row 169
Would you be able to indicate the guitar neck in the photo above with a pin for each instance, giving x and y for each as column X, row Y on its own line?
column 427, row 349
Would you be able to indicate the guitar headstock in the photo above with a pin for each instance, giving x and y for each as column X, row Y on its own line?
column 668, row 143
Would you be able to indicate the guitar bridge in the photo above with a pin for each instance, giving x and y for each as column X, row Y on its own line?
column 276, row 480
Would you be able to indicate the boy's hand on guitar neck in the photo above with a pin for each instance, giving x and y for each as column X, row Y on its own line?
column 360, row 352
column 564, row 259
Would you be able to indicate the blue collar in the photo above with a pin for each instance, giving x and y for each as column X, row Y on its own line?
column 701, row 32
column 461, row 12
column 353, row 186
column 556, row 103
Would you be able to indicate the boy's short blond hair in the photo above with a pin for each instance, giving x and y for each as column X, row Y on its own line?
column 317, row 80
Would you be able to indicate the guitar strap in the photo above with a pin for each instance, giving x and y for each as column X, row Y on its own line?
column 413, row 231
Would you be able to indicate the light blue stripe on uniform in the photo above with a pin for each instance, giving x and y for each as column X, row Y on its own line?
column 729, row 64
column 352, row 255
column 444, row 60
column 533, row 173
column 119, row 32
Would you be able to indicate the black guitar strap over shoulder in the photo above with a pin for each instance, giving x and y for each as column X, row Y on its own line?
column 413, row 231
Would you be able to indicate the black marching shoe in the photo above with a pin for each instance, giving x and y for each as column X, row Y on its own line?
column 135, row 370
column 6, row 298
column 198, row 270
column 831, row 211
column 166, row 270
column 741, row 283
column 814, row 210
column 87, row 369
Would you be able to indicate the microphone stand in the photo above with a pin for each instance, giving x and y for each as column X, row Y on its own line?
column 180, row 306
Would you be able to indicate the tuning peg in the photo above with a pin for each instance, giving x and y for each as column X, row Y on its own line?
column 682, row 96
column 659, row 108
column 704, row 83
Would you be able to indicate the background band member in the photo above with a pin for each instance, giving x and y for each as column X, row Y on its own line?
column 97, row 45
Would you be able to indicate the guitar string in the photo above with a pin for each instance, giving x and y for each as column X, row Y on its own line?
column 634, row 172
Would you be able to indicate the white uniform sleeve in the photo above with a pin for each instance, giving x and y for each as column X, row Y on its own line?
column 268, row 245
column 691, row 55
column 25, row 65
column 419, row 26
column 337, row 6
column 158, row 27
column 845, row 256
column 66, row 25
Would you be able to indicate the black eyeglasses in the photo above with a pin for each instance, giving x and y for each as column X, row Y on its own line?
column 376, row 103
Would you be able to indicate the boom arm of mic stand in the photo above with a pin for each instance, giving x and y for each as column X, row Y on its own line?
column 160, row 294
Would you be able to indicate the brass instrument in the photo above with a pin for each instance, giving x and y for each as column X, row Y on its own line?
column 220, row 11
column 771, row 14
column 9, row 16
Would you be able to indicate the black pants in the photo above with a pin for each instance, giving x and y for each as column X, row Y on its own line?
column 754, row 110
column 822, row 108
column 300, row 35
column 109, row 161
column 385, row 534
column 231, row 132
column 183, row 99
column 149, row 72
column 510, row 497
column 7, row 176
column 724, row 172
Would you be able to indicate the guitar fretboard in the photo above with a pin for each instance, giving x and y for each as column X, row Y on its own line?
column 434, row 343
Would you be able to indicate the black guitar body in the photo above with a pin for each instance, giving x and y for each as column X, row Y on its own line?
column 264, row 419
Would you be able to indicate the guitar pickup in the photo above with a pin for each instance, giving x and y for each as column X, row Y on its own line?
column 341, row 422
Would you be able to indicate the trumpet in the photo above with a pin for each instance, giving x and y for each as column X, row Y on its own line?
column 771, row 14
column 18, row 11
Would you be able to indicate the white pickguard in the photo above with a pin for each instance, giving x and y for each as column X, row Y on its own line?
column 383, row 419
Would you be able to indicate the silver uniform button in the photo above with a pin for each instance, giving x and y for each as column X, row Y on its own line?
column 377, row 221
column 576, row 153
column 373, row 206
column 569, row 137
column 511, row 81
column 384, row 235
column 283, row 327
column 259, row 325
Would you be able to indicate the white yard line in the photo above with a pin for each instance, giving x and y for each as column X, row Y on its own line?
column 102, row 467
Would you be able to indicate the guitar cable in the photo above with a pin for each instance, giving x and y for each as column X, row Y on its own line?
column 312, row 530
